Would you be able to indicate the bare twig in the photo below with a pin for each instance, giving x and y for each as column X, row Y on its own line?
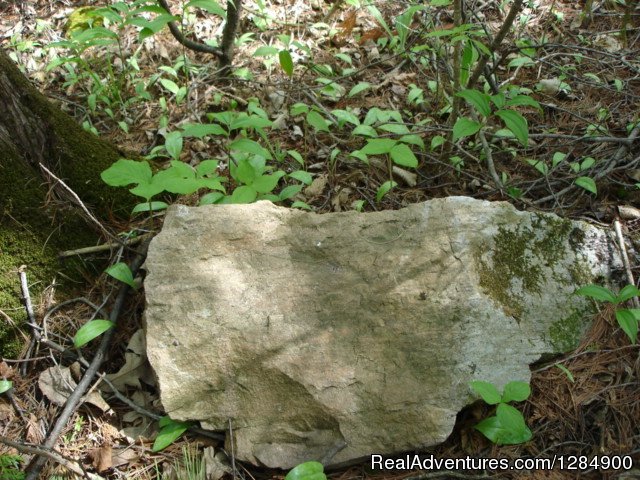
column 104, row 247
column 625, row 258
column 26, row 298
column 36, row 465
column 70, row 464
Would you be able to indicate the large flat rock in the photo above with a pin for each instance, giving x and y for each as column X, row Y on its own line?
column 312, row 332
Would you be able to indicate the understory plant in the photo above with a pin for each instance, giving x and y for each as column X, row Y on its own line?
column 627, row 318
column 507, row 426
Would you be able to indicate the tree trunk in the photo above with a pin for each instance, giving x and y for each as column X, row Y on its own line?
column 36, row 221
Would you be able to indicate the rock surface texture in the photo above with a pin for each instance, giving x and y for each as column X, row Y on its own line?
column 357, row 332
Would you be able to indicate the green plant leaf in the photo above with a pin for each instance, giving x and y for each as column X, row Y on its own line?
column 384, row 189
column 627, row 293
column 365, row 131
column 597, row 292
column 628, row 321
column 397, row 128
column 170, row 431
column 515, row 429
column 91, row 330
column 587, row 183
column 360, row 87
column 286, row 62
column 125, row 172
column 480, row 101
column 5, row 386
column 200, row 130
column 307, row 471
column 170, row 85
column 206, row 167
column 516, row 391
column 147, row 190
column 211, row 198
column 149, row 207
column 121, row 271
column 378, row 146
column 402, row 155
column 296, row 156
column 266, row 183
column 516, row 123
column 317, row 121
column 523, row 100
column 173, row 144
column 303, row 176
column 490, row 428
column 289, row 192
column 487, row 391
column 243, row 194
column 250, row 146
column 566, row 372
column 301, row 205
column 265, row 51
column 465, row 127
column 210, row 6
column 437, row 141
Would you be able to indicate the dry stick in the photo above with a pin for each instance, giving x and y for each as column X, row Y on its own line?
column 506, row 25
column 26, row 297
column 625, row 259
column 487, row 152
column 104, row 247
column 73, row 465
column 81, row 204
column 621, row 152
column 36, row 465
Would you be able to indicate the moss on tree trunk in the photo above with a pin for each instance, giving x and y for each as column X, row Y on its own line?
column 34, row 229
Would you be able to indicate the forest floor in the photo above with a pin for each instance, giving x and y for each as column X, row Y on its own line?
column 580, row 160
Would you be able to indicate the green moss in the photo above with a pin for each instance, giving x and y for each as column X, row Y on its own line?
column 565, row 333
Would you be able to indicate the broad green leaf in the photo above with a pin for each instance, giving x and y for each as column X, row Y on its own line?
column 317, row 121
column 365, row 131
column 491, row 428
column 628, row 321
column 627, row 293
column 121, row 271
column 384, row 189
column 266, row 183
column 487, row 391
column 149, row 207
column 412, row 139
column 302, row 205
column 360, row 87
column 516, row 391
column 289, row 191
column 206, row 167
column 523, row 100
column 173, row 144
column 125, row 172
column 170, row 431
column 307, row 471
column 303, row 176
column 245, row 172
column 557, row 158
column 250, row 146
column 147, row 190
column 538, row 165
column 378, row 146
column 397, row 128
column 250, row 121
column 5, row 386
column 516, row 123
column 209, row 6
column 286, row 62
column 498, row 99
column 265, row 51
column 566, row 372
column 170, row 85
column 243, row 194
column 200, row 130
column 343, row 116
column 211, row 198
column 515, row 429
column 478, row 100
column 91, row 330
column 465, row 127
column 437, row 141
column 587, row 183
column 296, row 156
column 402, row 155
column 597, row 292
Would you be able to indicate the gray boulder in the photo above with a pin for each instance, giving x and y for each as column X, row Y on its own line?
column 357, row 333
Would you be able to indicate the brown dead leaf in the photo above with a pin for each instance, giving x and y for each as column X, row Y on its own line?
column 136, row 367
column 6, row 371
column 373, row 35
column 101, row 458
column 346, row 28
column 33, row 434
column 57, row 384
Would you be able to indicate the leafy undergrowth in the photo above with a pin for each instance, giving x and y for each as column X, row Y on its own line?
column 350, row 110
